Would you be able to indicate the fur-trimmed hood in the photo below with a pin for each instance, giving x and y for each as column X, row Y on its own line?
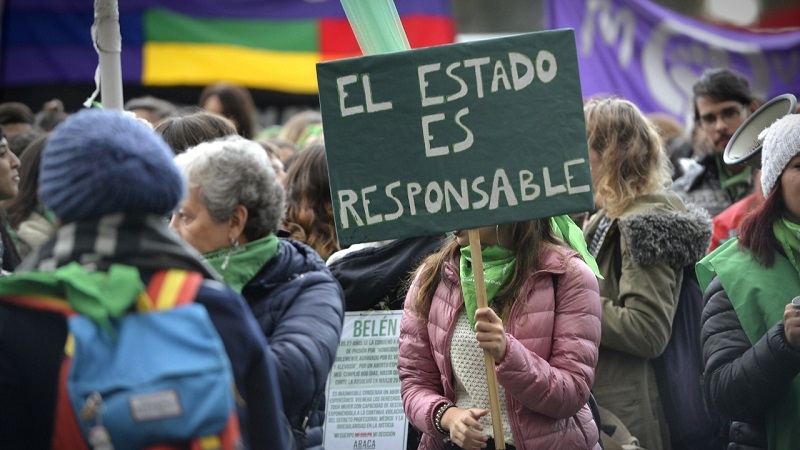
column 673, row 237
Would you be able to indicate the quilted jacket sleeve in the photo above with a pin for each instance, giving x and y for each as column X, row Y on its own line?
column 306, row 336
column 253, row 366
column 420, row 380
column 559, row 387
column 742, row 380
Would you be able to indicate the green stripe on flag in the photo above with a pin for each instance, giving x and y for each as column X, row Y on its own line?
column 284, row 35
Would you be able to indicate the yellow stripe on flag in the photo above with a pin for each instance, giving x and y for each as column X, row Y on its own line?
column 165, row 64
column 69, row 345
column 173, row 283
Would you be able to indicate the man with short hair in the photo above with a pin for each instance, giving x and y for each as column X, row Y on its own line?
column 722, row 101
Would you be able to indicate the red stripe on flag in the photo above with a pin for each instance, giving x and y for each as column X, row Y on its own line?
column 336, row 37
column 427, row 31
column 338, row 41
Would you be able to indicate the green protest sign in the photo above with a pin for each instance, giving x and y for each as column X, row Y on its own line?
column 455, row 137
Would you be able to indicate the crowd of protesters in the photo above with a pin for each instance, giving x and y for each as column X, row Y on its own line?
column 575, row 319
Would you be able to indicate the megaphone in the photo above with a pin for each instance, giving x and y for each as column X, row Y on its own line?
column 745, row 145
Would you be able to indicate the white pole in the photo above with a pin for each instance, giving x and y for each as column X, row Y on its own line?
column 108, row 42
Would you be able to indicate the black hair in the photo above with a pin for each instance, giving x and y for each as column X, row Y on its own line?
column 722, row 85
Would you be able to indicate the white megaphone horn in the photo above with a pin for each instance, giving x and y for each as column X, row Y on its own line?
column 745, row 145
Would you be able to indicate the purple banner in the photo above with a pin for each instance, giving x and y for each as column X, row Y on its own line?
column 652, row 56
column 245, row 9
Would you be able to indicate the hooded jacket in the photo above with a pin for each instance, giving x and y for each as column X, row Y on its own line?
column 552, row 335
column 654, row 239
column 300, row 308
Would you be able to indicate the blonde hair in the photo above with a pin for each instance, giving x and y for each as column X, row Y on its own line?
column 633, row 161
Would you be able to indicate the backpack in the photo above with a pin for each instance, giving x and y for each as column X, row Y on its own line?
column 679, row 374
column 161, row 379
column 679, row 371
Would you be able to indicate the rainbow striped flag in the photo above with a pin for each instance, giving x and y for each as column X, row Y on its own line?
column 262, row 44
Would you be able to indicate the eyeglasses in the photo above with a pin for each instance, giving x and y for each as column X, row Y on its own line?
column 728, row 115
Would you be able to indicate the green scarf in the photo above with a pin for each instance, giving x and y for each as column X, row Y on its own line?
column 48, row 215
column 498, row 265
column 566, row 229
column 100, row 296
column 728, row 180
column 788, row 234
column 759, row 299
column 243, row 262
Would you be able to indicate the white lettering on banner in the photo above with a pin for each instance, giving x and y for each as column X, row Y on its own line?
column 520, row 79
column 522, row 71
column 371, row 105
column 445, row 196
column 341, row 82
column 610, row 26
column 690, row 47
column 469, row 138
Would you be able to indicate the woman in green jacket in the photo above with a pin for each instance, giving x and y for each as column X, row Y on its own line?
column 642, row 237
column 751, row 326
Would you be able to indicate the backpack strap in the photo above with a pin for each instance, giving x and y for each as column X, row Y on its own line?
column 41, row 303
column 67, row 432
column 168, row 289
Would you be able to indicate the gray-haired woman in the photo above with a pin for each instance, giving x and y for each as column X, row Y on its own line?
column 231, row 216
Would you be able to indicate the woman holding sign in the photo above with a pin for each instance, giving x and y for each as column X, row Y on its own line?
column 642, row 237
column 542, row 328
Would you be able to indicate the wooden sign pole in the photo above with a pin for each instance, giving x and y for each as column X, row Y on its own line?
column 491, row 377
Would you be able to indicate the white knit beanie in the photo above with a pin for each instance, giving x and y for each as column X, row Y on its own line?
column 781, row 144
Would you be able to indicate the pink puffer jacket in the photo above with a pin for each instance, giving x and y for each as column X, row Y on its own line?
column 550, row 359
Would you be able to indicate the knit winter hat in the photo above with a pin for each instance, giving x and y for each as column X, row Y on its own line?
column 101, row 162
column 781, row 144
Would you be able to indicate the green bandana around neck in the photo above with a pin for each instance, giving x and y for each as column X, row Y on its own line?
column 566, row 229
column 98, row 295
column 728, row 179
column 788, row 234
column 244, row 261
column 759, row 300
column 498, row 265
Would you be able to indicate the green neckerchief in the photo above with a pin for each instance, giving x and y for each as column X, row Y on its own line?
column 788, row 234
column 728, row 179
column 244, row 261
column 13, row 234
column 98, row 295
column 566, row 229
column 759, row 298
column 48, row 215
column 498, row 265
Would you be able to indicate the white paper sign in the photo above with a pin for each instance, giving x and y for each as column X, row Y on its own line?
column 363, row 406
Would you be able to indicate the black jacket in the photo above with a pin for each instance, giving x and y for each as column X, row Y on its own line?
column 742, row 380
column 378, row 277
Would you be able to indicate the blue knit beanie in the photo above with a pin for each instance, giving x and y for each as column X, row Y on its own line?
column 101, row 162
